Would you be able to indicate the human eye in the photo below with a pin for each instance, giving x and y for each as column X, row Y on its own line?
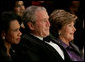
column 69, row 25
column 45, row 20
column 15, row 30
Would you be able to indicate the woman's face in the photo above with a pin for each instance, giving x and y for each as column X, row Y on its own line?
column 13, row 35
column 67, row 31
column 19, row 8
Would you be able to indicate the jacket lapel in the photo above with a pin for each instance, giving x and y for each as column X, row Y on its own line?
column 64, row 51
column 46, row 46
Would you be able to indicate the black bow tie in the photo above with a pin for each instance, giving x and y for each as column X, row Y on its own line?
column 46, row 39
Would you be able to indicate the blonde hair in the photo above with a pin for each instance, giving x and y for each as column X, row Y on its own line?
column 63, row 17
column 60, row 18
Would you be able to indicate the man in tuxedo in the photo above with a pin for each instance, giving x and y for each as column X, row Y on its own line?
column 33, row 47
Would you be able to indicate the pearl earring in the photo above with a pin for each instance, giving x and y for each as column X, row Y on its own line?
column 59, row 33
column 3, row 37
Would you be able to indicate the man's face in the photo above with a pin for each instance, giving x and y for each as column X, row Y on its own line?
column 42, row 25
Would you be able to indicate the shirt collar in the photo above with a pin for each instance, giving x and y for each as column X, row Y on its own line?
column 41, row 38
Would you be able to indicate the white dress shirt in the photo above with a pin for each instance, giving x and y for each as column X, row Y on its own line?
column 55, row 46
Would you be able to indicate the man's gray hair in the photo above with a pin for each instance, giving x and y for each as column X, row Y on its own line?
column 29, row 13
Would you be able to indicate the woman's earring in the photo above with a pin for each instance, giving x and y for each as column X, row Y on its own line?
column 3, row 37
column 59, row 33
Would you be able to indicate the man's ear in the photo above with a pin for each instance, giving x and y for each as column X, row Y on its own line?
column 30, row 25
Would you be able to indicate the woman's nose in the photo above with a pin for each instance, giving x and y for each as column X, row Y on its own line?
column 74, row 29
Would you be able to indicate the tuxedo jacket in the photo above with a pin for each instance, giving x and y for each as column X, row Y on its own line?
column 34, row 49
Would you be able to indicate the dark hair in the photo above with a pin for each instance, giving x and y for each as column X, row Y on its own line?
column 6, row 18
column 8, row 5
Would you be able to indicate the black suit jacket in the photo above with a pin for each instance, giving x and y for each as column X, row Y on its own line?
column 34, row 49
